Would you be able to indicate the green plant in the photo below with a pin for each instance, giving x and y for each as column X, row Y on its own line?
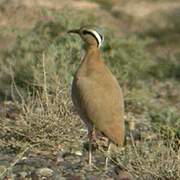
column 166, row 122
column 47, row 40
column 127, row 58
column 166, row 68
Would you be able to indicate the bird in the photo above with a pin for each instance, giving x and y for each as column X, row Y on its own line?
column 96, row 93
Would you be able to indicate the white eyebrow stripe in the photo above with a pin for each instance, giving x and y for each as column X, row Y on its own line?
column 98, row 37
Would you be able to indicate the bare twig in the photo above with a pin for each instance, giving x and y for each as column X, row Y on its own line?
column 45, row 80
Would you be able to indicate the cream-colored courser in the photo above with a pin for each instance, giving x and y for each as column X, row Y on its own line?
column 96, row 93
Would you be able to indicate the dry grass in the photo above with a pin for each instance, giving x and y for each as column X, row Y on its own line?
column 47, row 122
column 44, row 122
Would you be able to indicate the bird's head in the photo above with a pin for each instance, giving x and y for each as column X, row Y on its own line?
column 90, row 36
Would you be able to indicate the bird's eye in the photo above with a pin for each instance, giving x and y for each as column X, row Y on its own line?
column 85, row 32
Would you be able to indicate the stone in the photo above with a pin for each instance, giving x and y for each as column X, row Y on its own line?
column 44, row 172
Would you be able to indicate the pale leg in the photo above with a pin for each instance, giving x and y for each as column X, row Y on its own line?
column 91, row 137
column 108, row 154
column 90, row 154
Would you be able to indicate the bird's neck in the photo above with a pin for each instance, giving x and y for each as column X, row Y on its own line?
column 91, row 60
column 92, row 54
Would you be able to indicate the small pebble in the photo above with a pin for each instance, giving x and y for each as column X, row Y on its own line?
column 44, row 172
column 78, row 153
column 23, row 174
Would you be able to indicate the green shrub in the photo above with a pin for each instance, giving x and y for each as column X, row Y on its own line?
column 47, row 49
column 166, row 68
column 47, row 42
column 167, row 122
column 127, row 58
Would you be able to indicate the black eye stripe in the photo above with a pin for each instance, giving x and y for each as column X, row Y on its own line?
column 88, row 32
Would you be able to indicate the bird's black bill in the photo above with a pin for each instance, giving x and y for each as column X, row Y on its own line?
column 76, row 31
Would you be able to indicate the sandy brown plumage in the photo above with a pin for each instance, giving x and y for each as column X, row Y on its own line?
column 97, row 95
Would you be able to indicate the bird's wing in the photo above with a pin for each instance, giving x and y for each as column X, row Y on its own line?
column 103, row 106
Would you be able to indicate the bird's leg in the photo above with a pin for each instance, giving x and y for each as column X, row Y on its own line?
column 91, row 138
column 90, row 154
column 108, row 154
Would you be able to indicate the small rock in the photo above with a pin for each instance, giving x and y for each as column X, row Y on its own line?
column 23, row 158
column 78, row 153
column 23, row 174
column 44, row 172
column 59, row 159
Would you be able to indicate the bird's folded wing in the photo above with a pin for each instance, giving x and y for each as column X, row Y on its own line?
column 103, row 107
